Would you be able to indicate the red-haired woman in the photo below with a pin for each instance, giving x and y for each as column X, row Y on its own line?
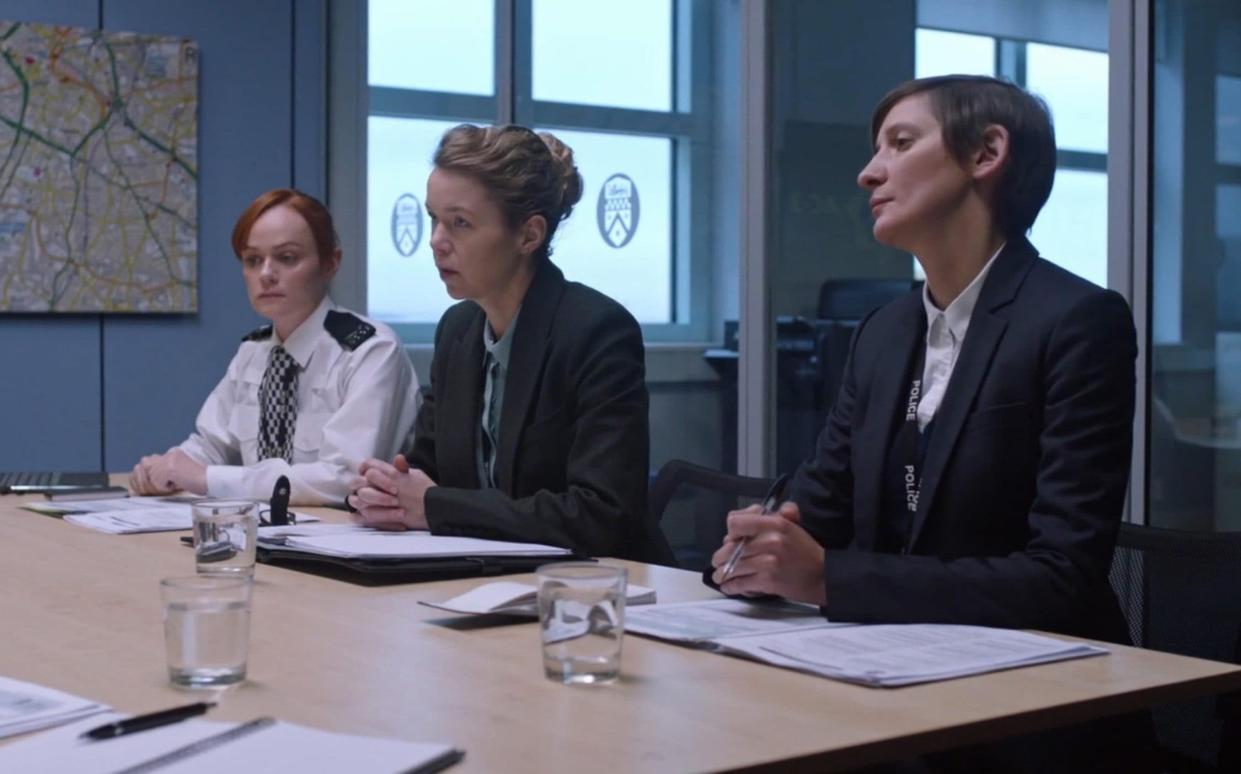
column 309, row 396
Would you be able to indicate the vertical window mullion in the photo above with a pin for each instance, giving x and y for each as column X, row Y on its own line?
column 522, row 61
column 505, row 48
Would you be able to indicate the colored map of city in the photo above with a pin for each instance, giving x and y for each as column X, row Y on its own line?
column 98, row 171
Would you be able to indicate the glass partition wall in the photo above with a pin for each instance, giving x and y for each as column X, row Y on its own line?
column 831, row 64
column 1195, row 298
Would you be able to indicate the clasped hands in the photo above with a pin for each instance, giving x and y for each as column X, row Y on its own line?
column 157, row 474
column 780, row 557
column 390, row 495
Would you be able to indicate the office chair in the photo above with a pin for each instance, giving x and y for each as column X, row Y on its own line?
column 842, row 304
column 1181, row 593
column 690, row 503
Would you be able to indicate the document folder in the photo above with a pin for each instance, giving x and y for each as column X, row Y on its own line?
column 375, row 557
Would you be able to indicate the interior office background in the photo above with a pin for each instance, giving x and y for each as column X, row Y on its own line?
column 742, row 126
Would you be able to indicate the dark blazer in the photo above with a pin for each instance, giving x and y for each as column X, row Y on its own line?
column 573, row 462
column 1025, row 472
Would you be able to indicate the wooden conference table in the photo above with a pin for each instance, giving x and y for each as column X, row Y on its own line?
column 80, row 611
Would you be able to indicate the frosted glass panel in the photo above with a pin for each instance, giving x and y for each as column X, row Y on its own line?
column 1071, row 231
column 1073, row 81
column 946, row 53
column 432, row 45
column 619, row 238
column 602, row 53
column 401, row 282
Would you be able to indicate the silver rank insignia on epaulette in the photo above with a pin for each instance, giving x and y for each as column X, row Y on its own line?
column 348, row 329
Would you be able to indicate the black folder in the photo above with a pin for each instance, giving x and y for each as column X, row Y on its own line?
column 378, row 571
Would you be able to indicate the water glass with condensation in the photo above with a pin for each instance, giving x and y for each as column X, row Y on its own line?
column 225, row 532
column 206, row 628
column 582, row 621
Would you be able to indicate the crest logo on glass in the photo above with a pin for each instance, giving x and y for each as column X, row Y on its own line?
column 618, row 210
column 406, row 224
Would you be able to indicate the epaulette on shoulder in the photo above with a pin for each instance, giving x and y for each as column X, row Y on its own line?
column 258, row 334
column 348, row 329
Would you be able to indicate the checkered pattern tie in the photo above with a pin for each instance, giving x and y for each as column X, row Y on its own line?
column 278, row 406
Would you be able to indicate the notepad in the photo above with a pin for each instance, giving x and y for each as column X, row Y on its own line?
column 211, row 747
column 28, row 707
column 881, row 655
column 512, row 598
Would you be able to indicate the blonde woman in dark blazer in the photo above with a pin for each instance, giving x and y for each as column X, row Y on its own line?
column 535, row 428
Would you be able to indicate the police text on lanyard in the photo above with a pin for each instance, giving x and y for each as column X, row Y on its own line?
column 910, row 448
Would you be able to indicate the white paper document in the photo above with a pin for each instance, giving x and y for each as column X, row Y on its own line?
column 106, row 505
column 512, row 598
column 28, row 707
column 130, row 515
column 206, row 747
column 380, row 544
column 797, row 636
column 704, row 622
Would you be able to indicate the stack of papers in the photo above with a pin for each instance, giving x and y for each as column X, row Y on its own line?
column 28, row 707
column 886, row 655
column 127, row 516
column 205, row 746
column 366, row 543
column 511, row 598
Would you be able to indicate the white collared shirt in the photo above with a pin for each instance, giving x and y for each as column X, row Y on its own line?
column 945, row 333
column 351, row 405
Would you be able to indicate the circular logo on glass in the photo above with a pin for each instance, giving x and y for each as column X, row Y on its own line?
column 618, row 210
column 406, row 224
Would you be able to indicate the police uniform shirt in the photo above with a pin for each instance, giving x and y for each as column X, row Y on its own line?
column 357, row 396
column 945, row 333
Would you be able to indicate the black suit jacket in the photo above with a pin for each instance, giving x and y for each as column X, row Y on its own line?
column 1025, row 473
column 572, row 466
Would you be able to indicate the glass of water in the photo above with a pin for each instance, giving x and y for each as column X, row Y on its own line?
column 206, row 628
column 224, row 536
column 582, row 621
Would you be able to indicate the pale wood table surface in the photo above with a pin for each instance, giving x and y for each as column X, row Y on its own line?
column 80, row 611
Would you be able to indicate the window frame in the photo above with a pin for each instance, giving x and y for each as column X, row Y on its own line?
column 1010, row 64
column 689, row 125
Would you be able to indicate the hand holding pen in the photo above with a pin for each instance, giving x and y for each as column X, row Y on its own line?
column 770, row 501
column 772, row 553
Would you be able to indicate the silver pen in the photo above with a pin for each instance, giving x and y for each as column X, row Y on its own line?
column 770, row 502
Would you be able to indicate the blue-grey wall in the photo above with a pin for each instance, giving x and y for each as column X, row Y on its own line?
column 98, row 391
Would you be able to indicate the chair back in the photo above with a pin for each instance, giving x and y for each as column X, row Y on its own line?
column 1181, row 593
column 690, row 503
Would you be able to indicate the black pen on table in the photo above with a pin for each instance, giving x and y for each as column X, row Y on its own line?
column 150, row 720
column 770, row 502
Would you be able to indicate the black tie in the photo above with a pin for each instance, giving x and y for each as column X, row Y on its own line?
column 278, row 406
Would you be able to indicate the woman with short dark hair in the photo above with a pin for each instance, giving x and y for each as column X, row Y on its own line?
column 974, row 465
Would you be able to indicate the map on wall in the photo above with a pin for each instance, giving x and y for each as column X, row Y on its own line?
column 98, row 171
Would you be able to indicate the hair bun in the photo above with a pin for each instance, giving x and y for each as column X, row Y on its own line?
column 570, row 178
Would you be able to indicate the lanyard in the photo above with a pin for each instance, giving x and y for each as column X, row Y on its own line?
column 909, row 453
column 911, row 446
